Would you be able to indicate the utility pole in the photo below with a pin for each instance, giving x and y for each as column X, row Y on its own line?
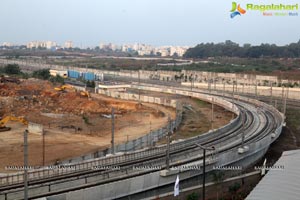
column 139, row 88
column 210, row 85
column 232, row 89
column 194, row 80
column 25, row 164
column 43, row 147
column 284, row 107
column 150, row 132
column 112, row 130
column 203, row 172
column 214, row 80
column 243, row 131
column 168, row 145
column 126, row 143
column 207, row 83
column 282, row 97
column 271, row 100
column 255, row 89
column 84, row 78
column 191, row 82
column 232, row 111
column 212, row 113
column 236, row 86
column 223, row 88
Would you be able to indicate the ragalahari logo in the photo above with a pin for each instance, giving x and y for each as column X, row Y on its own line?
column 236, row 10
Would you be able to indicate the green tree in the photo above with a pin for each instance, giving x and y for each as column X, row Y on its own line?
column 231, row 49
column 233, row 189
column 41, row 74
column 12, row 69
column 57, row 79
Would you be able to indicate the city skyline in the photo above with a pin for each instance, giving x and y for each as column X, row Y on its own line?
column 140, row 49
column 175, row 23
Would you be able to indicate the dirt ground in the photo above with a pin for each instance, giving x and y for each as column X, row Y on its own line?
column 197, row 118
column 81, row 127
column 60, row 145
column 196, row 115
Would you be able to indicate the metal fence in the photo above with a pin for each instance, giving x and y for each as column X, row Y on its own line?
column 147, row 140
column 86, row 164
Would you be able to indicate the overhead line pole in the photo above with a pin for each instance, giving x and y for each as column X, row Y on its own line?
column 271, row 100
column 203, row 171
column 282, row 98
column 25, row 164
column 112, row 130
column 43, row 132
column 168, row 145
column 139, row 88
column 212, row 113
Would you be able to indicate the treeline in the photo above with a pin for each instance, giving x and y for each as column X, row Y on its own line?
column 231, row 49
column 15, row 71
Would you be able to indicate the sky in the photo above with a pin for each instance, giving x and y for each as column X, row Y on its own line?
column 154, row 22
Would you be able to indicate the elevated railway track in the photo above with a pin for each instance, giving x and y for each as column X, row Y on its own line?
column 259, row 123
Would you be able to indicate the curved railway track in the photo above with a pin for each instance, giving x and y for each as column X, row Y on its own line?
column 254, row 123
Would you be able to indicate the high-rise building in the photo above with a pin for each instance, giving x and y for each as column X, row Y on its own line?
column 68, row 44
column 7, row 44
column 50, row 44
column 41, row 44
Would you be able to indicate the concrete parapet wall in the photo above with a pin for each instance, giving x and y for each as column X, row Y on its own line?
column 205, row 97
column 142, row 98
column 292, row 93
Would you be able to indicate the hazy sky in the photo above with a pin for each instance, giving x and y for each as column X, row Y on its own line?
column 156, row 22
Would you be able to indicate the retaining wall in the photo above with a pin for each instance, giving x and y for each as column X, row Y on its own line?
column 292, row 93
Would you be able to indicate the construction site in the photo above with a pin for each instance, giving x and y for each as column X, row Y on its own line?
column 76, row 122
column 73, row 124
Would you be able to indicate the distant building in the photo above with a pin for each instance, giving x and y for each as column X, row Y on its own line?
column 68, row 44
column 50, row 45
column 101, row 46
column 41, row 44
column 7, row 44
column 146, row 50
